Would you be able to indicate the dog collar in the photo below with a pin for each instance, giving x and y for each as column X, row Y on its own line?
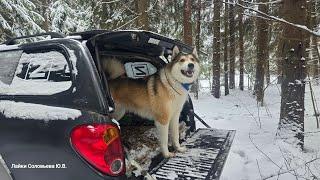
column 186, row 86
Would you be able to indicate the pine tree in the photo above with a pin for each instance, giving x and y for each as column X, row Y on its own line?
column 232, row 42
column 142, row 10
column 19, row 17
column 70, row 16
column 241, row 46
column 279, row 44
column 262, row 53
column 314, row 44
column 291, row 124
column 83, row 13
column 187, row 25
column 62, row 16
column 43, row 10
column 267, row 66
column 216, row 50
column 279, row 55
column 308, row 38
column 226, row 49
column 167, row 19
column 198, row 46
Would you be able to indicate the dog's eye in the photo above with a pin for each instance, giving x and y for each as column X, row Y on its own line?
column 192, row 60
column 182, row 60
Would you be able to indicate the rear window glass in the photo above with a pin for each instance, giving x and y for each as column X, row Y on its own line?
column 8, row 63
column 44, row 73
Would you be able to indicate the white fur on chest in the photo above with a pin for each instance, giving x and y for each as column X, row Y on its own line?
column 178, row 102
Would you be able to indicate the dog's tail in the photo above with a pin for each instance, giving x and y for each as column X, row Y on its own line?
column 113, row 68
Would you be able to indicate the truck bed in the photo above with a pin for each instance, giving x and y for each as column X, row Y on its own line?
column 207, row 152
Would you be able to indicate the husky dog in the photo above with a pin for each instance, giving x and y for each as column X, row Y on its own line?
column 160, row 97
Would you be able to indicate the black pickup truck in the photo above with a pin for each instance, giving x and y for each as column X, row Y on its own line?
column 55, row 105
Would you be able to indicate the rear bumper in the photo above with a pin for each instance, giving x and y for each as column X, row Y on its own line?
column 207, row 152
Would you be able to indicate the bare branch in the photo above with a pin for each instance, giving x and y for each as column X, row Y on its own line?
column 259, row 169
column 262, row 151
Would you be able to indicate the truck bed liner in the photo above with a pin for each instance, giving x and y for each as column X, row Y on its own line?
column 207, row 152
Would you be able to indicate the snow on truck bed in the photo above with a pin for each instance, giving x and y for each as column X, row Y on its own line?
column 142, row 144
column 207, row 150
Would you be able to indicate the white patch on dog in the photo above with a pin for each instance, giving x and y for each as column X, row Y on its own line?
column 117, row 69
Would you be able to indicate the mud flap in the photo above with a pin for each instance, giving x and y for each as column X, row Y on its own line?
column 207, row 152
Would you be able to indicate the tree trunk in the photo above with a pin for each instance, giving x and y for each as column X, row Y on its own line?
column 187, row 30
column 241, row 47
column 316, row 63
column 314, row 46
column 100, row 16
column 143, row 19
column 232, row 54
column 187, row 26
column 196, row 85
column 216, row 51
column 308, row 47
column 279, row 59
column 262, row 53
column 270, row 27
column 225, row 49
column 45, row 14
column 291, row 125
column 268, row 71
column 279, row 51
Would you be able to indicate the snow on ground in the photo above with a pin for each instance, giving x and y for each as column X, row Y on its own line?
column 256, row 152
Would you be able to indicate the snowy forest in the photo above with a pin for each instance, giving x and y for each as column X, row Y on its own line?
column 259, row 59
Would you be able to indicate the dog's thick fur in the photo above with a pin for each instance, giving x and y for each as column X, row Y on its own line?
column 161, row 97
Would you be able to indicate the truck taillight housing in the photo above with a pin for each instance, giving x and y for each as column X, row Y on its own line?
column 100, row 145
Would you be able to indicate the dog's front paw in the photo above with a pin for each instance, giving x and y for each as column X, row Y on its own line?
column 181, row 149
column 168, row 155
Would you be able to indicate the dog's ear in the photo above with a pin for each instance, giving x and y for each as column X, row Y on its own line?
column 175, row 52
column 195, row 52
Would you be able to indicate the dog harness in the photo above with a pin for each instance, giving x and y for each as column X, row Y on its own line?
column 186, row 86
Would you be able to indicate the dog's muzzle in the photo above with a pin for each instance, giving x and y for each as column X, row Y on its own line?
column 188, row 73
column 190, row 70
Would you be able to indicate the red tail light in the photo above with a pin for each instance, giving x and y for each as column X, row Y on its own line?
column 101, row 146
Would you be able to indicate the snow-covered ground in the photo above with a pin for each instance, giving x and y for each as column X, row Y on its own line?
column 256, row 152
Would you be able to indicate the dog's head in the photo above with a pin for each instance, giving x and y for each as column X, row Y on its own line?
column 185, row 68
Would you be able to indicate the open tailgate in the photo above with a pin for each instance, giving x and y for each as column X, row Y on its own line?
column 207, row 152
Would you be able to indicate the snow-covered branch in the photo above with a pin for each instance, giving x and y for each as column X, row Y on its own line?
column 301, row 27
column 257, row 16
column 109, row 2
column 118, row 28
column 151, row 7
column 259, row 3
